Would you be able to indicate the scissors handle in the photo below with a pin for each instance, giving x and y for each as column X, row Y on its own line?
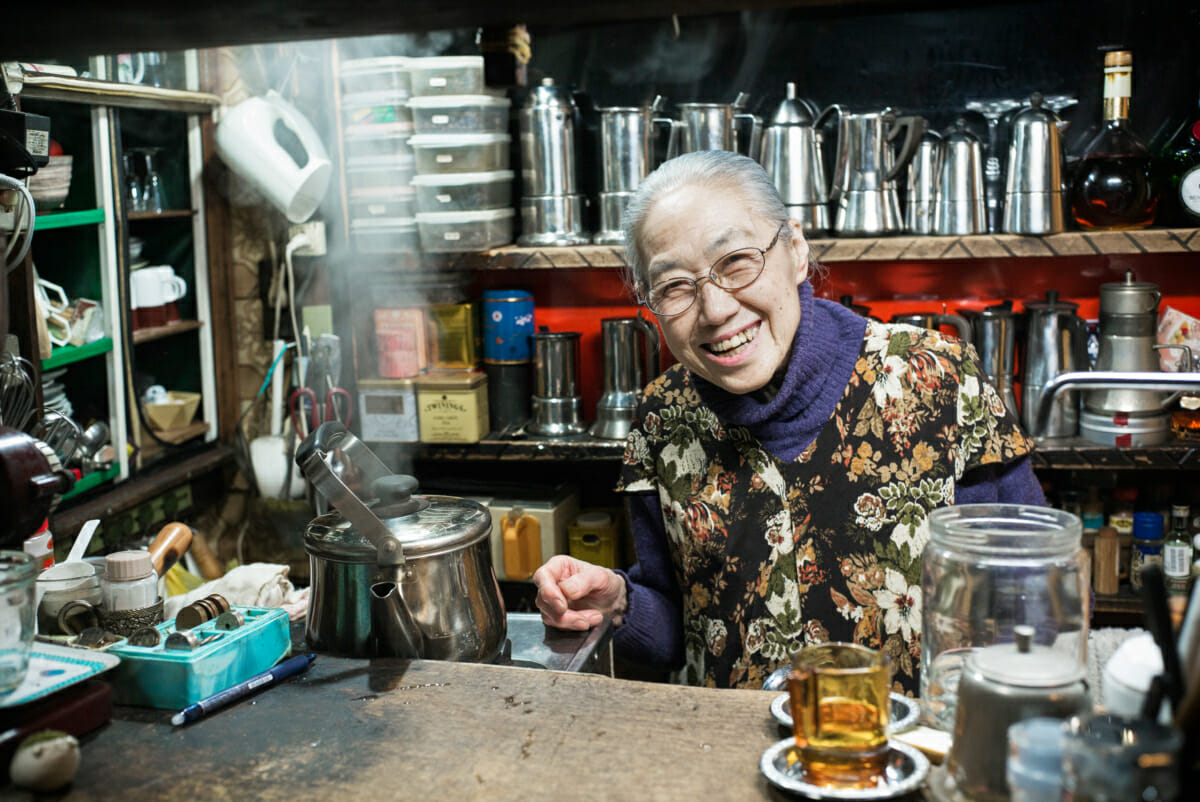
column 332, row 409
column 304, row 420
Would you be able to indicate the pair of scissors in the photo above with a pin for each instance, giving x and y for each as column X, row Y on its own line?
column 307, row 414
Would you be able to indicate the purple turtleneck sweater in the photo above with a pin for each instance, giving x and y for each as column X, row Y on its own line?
column 821, row 361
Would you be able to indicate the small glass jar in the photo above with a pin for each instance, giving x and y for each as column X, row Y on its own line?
column 17, row 573
column 1113, row 757
column 1147, row 547
column 989, row 568
column 129, row 581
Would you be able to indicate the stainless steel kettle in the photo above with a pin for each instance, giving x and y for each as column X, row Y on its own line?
column 1056, row 343
column 394, row 573
column 960, row 207
column 715, row 126
column 866, row 167
column 1033, row 196
column 1001, row 685
column 791, row 155
column 923, row 170
column 631, row 359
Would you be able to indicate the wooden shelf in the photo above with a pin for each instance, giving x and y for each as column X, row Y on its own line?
column 65, row 355
column 166, row 214
column 158, row 332
column 1075, row 453
column 112, row 93
column 180, row 435
column 83, row 217
column 581, row 447
column 868, row 249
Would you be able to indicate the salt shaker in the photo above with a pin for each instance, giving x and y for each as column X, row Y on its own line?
column 129, row 582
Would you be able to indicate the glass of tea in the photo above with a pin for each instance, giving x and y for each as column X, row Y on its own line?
column 840, row 706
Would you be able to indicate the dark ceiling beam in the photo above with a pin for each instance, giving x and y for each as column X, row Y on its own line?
column 74, row 29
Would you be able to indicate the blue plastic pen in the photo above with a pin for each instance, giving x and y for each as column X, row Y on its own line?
column 218, row 700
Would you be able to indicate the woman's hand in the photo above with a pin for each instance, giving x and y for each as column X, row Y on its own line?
column 573, row 594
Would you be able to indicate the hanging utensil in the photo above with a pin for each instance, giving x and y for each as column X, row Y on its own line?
column 17, row 391
column 60, row 433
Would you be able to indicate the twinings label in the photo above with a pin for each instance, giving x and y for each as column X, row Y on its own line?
column 452, row 417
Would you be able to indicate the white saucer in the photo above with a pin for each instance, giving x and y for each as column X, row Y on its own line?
column 904, row 713
column 906, row 770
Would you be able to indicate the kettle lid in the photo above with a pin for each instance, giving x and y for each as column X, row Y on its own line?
column 959, row 133
column 549, row 93
column 792, row 110
column 1026, row 664
column 1035, row 113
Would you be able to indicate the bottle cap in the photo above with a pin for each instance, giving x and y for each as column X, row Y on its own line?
column 122, row 566
column 1107, row 533
column 1148, row 525
column 1118, row 58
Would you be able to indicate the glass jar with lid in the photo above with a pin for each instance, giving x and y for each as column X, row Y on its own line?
column 987, row 569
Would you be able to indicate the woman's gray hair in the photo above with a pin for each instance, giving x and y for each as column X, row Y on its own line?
column 706, row 167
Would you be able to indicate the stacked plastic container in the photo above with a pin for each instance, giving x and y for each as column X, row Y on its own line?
column 461, row 146
column 379, row 159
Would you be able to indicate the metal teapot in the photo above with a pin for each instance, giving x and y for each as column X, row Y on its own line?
column 716, row 126
column 1033, row 197
column 393, row 573
column 791, row 155
column 1001, row 685
column 866, row 168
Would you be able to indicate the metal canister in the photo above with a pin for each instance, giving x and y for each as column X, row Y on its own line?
column 507, row 324
column 547, row 125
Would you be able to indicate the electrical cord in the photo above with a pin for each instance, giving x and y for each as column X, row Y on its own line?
column 26, row 209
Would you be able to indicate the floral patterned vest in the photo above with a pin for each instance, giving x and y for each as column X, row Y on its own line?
column 772, row 556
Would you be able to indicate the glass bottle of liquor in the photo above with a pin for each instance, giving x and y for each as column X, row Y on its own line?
column 1113, row 187
column 1179, row 176
column 1177, row 552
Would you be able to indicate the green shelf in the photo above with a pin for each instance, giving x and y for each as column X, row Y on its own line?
column 86, row 217
column 74, row 353
column 92, row 480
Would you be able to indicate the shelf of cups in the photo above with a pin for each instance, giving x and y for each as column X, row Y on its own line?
column 167, row 214
column 158, row 332
column 82, row 217
column 67, row 354
column 890, row 249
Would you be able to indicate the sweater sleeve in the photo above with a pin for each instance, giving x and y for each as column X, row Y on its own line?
column 652, row 631
column 1011, row 483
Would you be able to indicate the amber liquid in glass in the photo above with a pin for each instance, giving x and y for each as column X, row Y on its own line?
column 1114, row 193
column 841, row 726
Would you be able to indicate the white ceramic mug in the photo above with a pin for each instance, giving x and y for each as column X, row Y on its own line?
column 148, row 299
column 174, row 288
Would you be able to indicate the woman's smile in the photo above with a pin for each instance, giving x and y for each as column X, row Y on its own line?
column 727, row 350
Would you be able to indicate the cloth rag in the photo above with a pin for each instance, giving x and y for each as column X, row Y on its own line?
column 252, row 585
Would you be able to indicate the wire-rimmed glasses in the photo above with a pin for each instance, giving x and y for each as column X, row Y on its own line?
column 733, row 271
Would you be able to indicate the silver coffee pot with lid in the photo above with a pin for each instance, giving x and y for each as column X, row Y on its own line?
column 552, row 208
column 791, row 155
column 960, row 207
column 1033, row 197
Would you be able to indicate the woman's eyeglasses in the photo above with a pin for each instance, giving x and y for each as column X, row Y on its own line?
column 733, row 271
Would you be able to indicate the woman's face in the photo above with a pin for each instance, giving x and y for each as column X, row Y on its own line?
column 736, row 340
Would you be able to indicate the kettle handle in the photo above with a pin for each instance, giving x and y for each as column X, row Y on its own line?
column 914, row 126
column 958, row 322
column 653, row 353
column 313, row 457
column 1188, row 363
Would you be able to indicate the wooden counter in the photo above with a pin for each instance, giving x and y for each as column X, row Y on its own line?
column 394, row 729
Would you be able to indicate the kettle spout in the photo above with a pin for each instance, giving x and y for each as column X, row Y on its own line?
column 396, row 631
column 1062, row 125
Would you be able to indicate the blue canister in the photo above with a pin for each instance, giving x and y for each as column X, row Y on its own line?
column 507, row 324
column 1148, row 536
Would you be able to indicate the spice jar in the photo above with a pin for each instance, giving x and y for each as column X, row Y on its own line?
column 1147, row 545
column 987, row 569
column 129, row 581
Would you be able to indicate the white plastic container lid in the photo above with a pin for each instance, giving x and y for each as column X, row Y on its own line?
column 379, row 64
column 384, row 224
column 376, row 97
column 401, row 161
column 476, row 216
column 378, row 131
column 399, row 192
column 456, row 101
column 461, row 179
column 445, row 62
column 457, row 140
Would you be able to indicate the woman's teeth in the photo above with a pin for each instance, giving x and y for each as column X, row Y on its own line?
column 734, row 344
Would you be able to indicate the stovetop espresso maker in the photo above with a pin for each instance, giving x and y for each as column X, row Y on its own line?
column 631, row 359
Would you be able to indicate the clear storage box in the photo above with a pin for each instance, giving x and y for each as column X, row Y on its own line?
column 454, row 232
column 374, row 108
column 446, row 75
column 460, row 153
column 384, row 235
column 373, row 172
column 387, row 73
column 367, row 141
column 460, row 114
column 383, row 202
column 460, row 192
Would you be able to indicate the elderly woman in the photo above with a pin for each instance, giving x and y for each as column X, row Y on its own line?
column 778, row 477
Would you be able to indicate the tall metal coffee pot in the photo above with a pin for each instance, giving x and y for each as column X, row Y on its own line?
column 960, row 207
column 1056, row 343
column 1033, row 198
column 994, row 335
column 552, row 208
column 631, row 359
column 626, row 157
column 791, row 155
column 866, row 168
column 716, row 126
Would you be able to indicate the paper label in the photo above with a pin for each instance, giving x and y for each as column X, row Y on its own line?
column 440, row 119
column 444, row 158
column 1189, row 191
